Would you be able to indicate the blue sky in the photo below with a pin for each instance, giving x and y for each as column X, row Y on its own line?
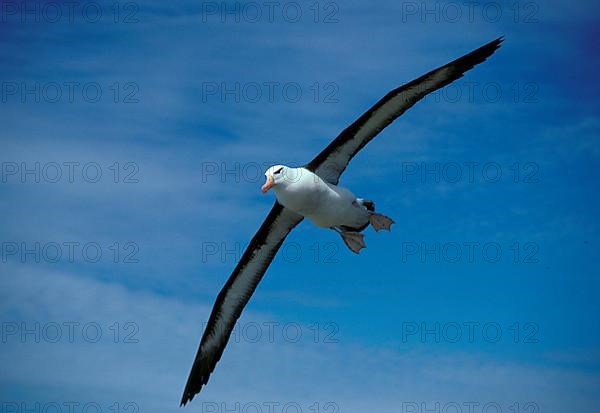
column 194, row 101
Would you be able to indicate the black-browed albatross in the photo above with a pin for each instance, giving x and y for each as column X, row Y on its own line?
column 312, row 192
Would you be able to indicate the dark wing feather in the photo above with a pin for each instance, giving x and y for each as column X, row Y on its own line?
column 235, row 295
column 334, row 159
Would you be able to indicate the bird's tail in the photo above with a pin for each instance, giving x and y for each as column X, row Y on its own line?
column 370, row 205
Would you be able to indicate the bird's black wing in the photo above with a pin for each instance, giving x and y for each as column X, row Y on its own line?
column 235, row 294
column 334, row 159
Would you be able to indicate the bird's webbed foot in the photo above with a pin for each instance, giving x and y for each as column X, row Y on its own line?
column 380, row 221
column 353, row 240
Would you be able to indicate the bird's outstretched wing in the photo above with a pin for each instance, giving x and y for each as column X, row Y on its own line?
column 334, row 159
column 235, row 294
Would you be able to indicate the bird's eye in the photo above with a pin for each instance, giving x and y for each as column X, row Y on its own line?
column 277, row 171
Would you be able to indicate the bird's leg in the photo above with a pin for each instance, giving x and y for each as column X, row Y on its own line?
column 353, row 240
column 380, row 221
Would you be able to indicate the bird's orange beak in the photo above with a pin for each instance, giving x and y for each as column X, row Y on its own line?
column 270, row 182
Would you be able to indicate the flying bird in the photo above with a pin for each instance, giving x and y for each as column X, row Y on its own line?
column 312, row 192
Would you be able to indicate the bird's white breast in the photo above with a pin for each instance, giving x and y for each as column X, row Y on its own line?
column 324, row 204
column 302, row 192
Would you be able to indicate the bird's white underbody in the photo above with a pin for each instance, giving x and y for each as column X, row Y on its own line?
column 322, row 203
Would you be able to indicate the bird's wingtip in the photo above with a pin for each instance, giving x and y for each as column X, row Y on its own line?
column 186, row 397
column 498, row 41
column 495, row 44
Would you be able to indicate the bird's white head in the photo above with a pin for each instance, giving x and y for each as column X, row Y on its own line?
column 276, row 175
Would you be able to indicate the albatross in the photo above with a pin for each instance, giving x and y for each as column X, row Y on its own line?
column 312, row 192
